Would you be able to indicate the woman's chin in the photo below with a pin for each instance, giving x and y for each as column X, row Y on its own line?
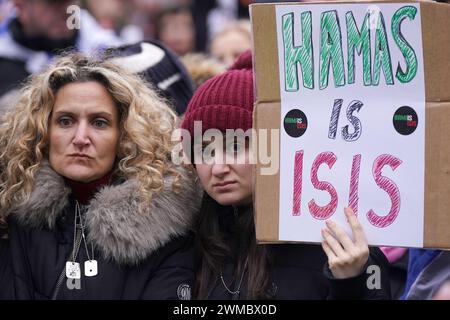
column 79, row 174
column 231, row 200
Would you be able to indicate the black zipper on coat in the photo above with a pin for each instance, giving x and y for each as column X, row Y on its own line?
column 74, row 254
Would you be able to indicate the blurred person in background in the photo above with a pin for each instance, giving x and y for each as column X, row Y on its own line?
column 228, row 44
column 5, row 9
column 211, row 16
column 146, row 12
column 30, row 37
column 428, row 275
column 176, row 29
column 153, row 7
column 443, row 292
column 116, row 15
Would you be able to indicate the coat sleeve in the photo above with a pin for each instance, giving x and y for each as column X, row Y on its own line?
column 372, row 284
column 6, row 275
column 173, row 276
column 20, row 266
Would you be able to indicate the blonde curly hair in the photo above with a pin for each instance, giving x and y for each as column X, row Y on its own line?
column 146, row 124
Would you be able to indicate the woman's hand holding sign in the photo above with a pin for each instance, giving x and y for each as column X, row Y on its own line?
column 346, row 258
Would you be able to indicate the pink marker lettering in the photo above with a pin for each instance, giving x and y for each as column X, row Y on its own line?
column 387, row 185
column 327, row 211
column 354, row 183
column 298, row 176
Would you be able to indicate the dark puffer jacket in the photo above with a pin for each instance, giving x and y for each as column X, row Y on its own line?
column 140, row 255
column 300, row 272
column 6, row 279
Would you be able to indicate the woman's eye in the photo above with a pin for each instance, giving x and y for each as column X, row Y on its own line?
column 65, row 122
column 235, row 148
column 209, row 152
column 99, row 123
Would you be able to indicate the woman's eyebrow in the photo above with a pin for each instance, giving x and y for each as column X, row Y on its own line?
column 64, row 112
column 103, row 114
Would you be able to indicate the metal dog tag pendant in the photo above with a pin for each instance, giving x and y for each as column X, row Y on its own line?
column 90, row 268
column 73, row 270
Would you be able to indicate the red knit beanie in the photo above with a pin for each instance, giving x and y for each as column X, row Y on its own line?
column 224, row 101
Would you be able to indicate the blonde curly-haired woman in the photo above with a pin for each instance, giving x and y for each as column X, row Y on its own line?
column 93, row 205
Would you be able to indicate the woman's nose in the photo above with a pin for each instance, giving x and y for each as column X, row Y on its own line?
column 81, row 137
column 220, row 169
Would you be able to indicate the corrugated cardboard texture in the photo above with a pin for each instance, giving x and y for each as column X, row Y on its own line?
column 267, row 191
column 436, row 48
column 437, row 175
column 266, row 55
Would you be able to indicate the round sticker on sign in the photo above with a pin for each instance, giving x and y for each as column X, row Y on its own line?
column 405, row 120
column 295, row 123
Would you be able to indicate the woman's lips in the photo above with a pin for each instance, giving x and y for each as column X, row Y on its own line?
column 80, row 156
column 224, row 185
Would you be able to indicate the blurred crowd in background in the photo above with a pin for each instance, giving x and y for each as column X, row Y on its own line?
column 206, row 35
column 185, row 26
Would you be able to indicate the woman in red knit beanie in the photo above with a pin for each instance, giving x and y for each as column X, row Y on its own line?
column 231, row 265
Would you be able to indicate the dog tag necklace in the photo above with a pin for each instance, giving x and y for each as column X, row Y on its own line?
column 73, row 270
column 90, row 266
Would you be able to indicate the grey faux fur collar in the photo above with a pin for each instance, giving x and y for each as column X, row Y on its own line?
column 114, row 225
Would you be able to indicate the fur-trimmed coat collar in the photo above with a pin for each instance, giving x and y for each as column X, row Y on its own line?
column 114, row 224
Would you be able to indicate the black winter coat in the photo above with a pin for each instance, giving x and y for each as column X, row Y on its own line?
column 140, row 256
column 6, row 279
column 300, row 271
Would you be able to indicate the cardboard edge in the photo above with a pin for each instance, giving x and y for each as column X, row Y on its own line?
column 436, row 48
column 437, row 181
column 265, row 46
column 266, row 200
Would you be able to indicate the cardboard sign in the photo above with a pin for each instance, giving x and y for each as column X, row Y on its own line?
column 353, row 79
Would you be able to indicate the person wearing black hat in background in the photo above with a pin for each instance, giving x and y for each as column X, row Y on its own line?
column 158, row 66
